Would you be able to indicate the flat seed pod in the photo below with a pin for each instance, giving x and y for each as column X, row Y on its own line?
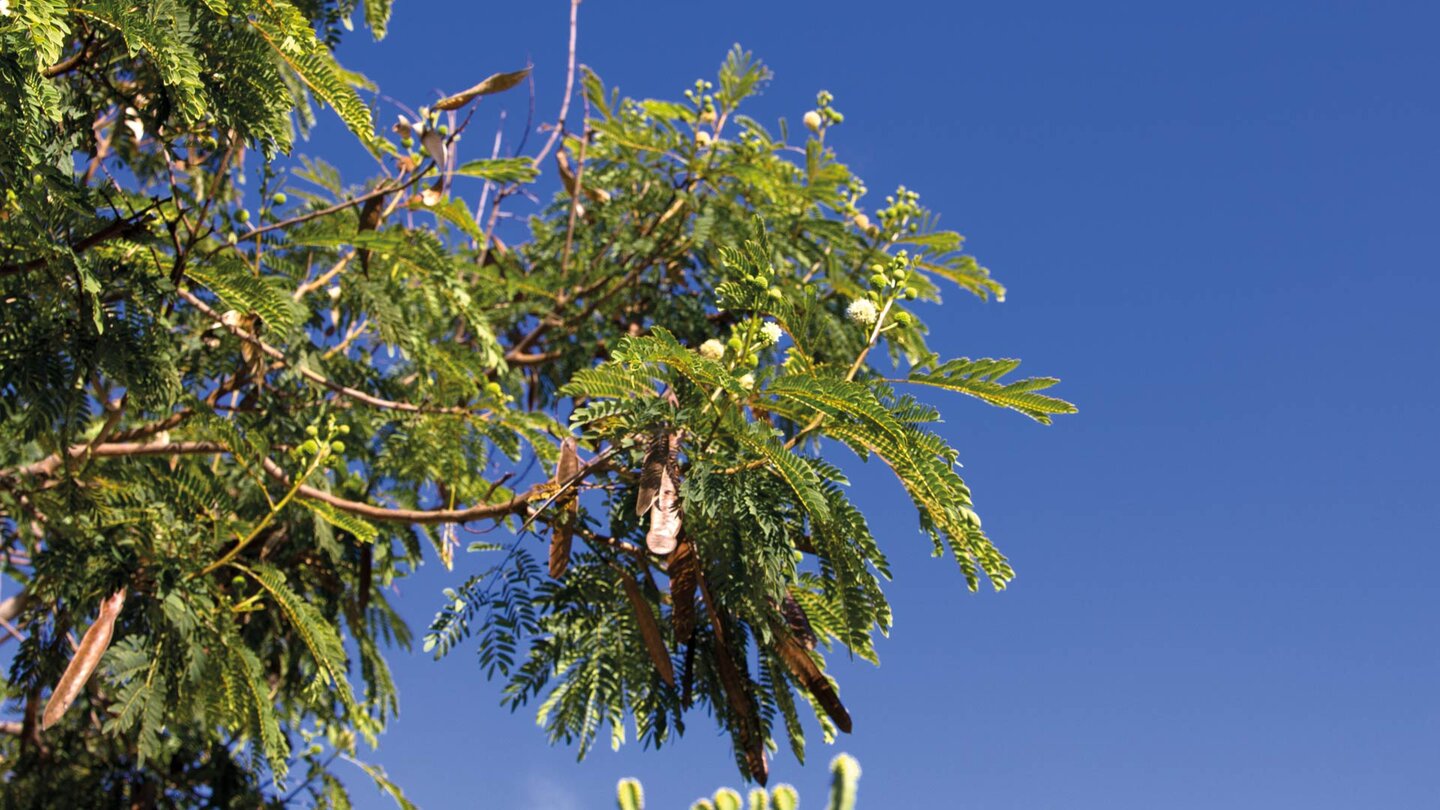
column 798, row 622
column 649, row 630
column 568, row 506
column 87, row 656
column 683, row 570
column 815, row 682
column 494, row 83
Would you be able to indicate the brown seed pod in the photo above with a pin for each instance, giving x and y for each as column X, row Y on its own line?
column 649, row 629
column 87, row 656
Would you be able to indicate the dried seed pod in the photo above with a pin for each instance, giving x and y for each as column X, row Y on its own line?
column 87, row 656
column 798, row 622
column 793, row 653
column 568, row 507
column 683, row 570
column 737, row 693
column 660, row 492
column 649, row 629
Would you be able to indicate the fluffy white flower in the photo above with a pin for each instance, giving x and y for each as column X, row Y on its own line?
column 748, row 382
column 770, row 332
column 813, row 121
column 712, row 349
column 862, row 311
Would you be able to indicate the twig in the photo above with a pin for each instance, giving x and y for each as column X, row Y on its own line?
column 569, row 88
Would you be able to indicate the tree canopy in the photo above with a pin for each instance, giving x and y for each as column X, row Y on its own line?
column 241, row 395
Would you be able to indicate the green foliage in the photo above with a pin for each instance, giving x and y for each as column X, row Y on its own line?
column 255, row 396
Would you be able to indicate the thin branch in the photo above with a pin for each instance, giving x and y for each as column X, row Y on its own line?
column 380, row 191
column 569, row 88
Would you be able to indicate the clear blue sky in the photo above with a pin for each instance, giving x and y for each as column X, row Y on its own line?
column 1217, row 223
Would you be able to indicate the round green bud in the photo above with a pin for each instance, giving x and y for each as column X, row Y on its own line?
column 911, row 293
column 879, row 280
column 752, row 359
column 444, row 130
column 309, row 446
column 494, row 389
column 237, row 583
column 735, row 344
column 337, row 447
column 343, row 430
column 904, row 319
column 242, row 215
column 278, row 198
column 311, row 430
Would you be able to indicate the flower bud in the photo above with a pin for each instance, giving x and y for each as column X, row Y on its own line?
column 862, row 222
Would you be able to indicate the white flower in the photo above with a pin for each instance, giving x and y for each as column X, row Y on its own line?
column 862, row 311
column 770, row 333
column 748, row 382
column 712, row 349
column 813, row 121
column 4, row 8
column 702, row 139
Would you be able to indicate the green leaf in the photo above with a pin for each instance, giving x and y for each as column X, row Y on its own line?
column 981, row 379
column 500, row 170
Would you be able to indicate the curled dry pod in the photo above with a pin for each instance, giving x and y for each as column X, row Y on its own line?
column 649, row 629
column 660, row 492
column 87, row 657
column 568, row 506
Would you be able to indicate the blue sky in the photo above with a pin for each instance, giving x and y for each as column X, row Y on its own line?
column 1215, row 222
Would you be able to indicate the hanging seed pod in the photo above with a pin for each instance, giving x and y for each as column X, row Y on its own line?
column 793, row 653
column 683, row 569
column 87, row 656
column 649, row 629
column 568, row 507
column 660, row 492
column 736, row 693
column 798, row 622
